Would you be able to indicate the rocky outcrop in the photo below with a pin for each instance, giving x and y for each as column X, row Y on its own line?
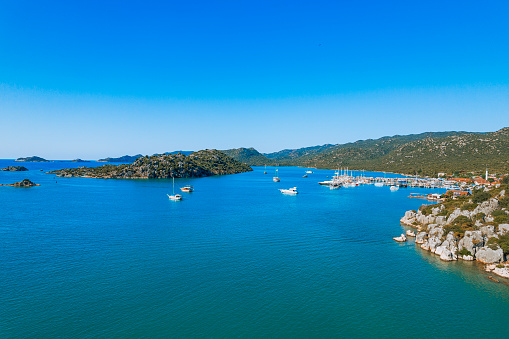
column 435, row 233
column 14, row 169
column 472, row 241
column 500, row 270
column 23, row 183
column 488, row 255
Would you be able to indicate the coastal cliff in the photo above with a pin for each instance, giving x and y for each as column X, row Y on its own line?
column 466, row 228
column 198, row 164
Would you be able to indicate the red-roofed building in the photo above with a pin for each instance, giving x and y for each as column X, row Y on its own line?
column 457, row 193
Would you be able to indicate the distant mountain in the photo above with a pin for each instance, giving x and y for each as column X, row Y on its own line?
column 198, row 164
column 32, row 159
column 287, row 154
column 79, row 160
column 125, row 158
column 248, row 156
column 425, row 153
column 177, row 152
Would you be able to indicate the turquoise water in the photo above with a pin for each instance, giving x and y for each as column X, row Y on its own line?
column 114, row 258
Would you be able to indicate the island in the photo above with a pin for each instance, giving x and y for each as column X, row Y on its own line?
column 23, row 183
column 198, row 164
column 474, row 227
column 32, row 159
column 79, row 160
column 14, row 169
column 125, row 158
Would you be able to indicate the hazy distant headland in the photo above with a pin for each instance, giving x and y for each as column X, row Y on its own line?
column 125, row 158
column 32, row 159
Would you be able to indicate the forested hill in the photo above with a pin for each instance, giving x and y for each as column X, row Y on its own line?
column 198, row 164
column 426, row 153
column 248, row 156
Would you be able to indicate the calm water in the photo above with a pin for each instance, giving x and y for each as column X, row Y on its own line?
column 115, row 258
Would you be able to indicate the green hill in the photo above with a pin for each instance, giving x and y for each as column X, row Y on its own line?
column 248, row 156
column 198, row 164
column 425, row 153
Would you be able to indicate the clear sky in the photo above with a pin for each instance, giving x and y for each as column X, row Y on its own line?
column 92, row 79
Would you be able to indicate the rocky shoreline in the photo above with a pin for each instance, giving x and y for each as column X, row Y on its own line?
column 469, row 231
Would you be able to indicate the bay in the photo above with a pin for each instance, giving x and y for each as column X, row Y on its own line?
column 86, row 257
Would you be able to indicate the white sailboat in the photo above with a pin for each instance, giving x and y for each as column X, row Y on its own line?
column 276, row 178
column 174, row 197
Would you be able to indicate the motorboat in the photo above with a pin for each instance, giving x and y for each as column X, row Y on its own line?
column 292, row 190
column 187, row 189
column 379, row 184
column 309, row 172
column 335, row 186
column 305, row 176
column 394, row 188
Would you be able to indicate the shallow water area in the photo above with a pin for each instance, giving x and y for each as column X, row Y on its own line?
column 103, row 257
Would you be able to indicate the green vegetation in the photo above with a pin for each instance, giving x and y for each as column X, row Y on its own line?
column 468, row 206
column 249, row 156
column 464, row 251
column 197, row 164
column 426, row 209
column 504, row 202
column 459, row 226
column 480, row 196
column 423, row 154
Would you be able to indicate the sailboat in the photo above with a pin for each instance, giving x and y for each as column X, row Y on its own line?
column 276, row 178
column 174, row 197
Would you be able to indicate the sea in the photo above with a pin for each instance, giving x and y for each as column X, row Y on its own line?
column 106, row 258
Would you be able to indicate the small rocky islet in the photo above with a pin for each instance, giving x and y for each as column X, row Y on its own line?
column 14, row 169
column 23, row 183
column 198, row 164
column 470, row 228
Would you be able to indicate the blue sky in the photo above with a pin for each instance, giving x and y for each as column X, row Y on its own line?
column 95, row 79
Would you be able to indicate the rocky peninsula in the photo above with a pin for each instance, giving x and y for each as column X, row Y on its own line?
column 23, row 183
column 198, row 164
column 472, row 227
column 14, row 169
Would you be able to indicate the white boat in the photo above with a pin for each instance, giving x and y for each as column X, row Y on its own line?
column 379, row 184
column 309, row 171
column 394, row 188
column 187, row 189
column 305, row 176
column 292, row 190
column 174, row 197
column 349, row 184
column 276, row 178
